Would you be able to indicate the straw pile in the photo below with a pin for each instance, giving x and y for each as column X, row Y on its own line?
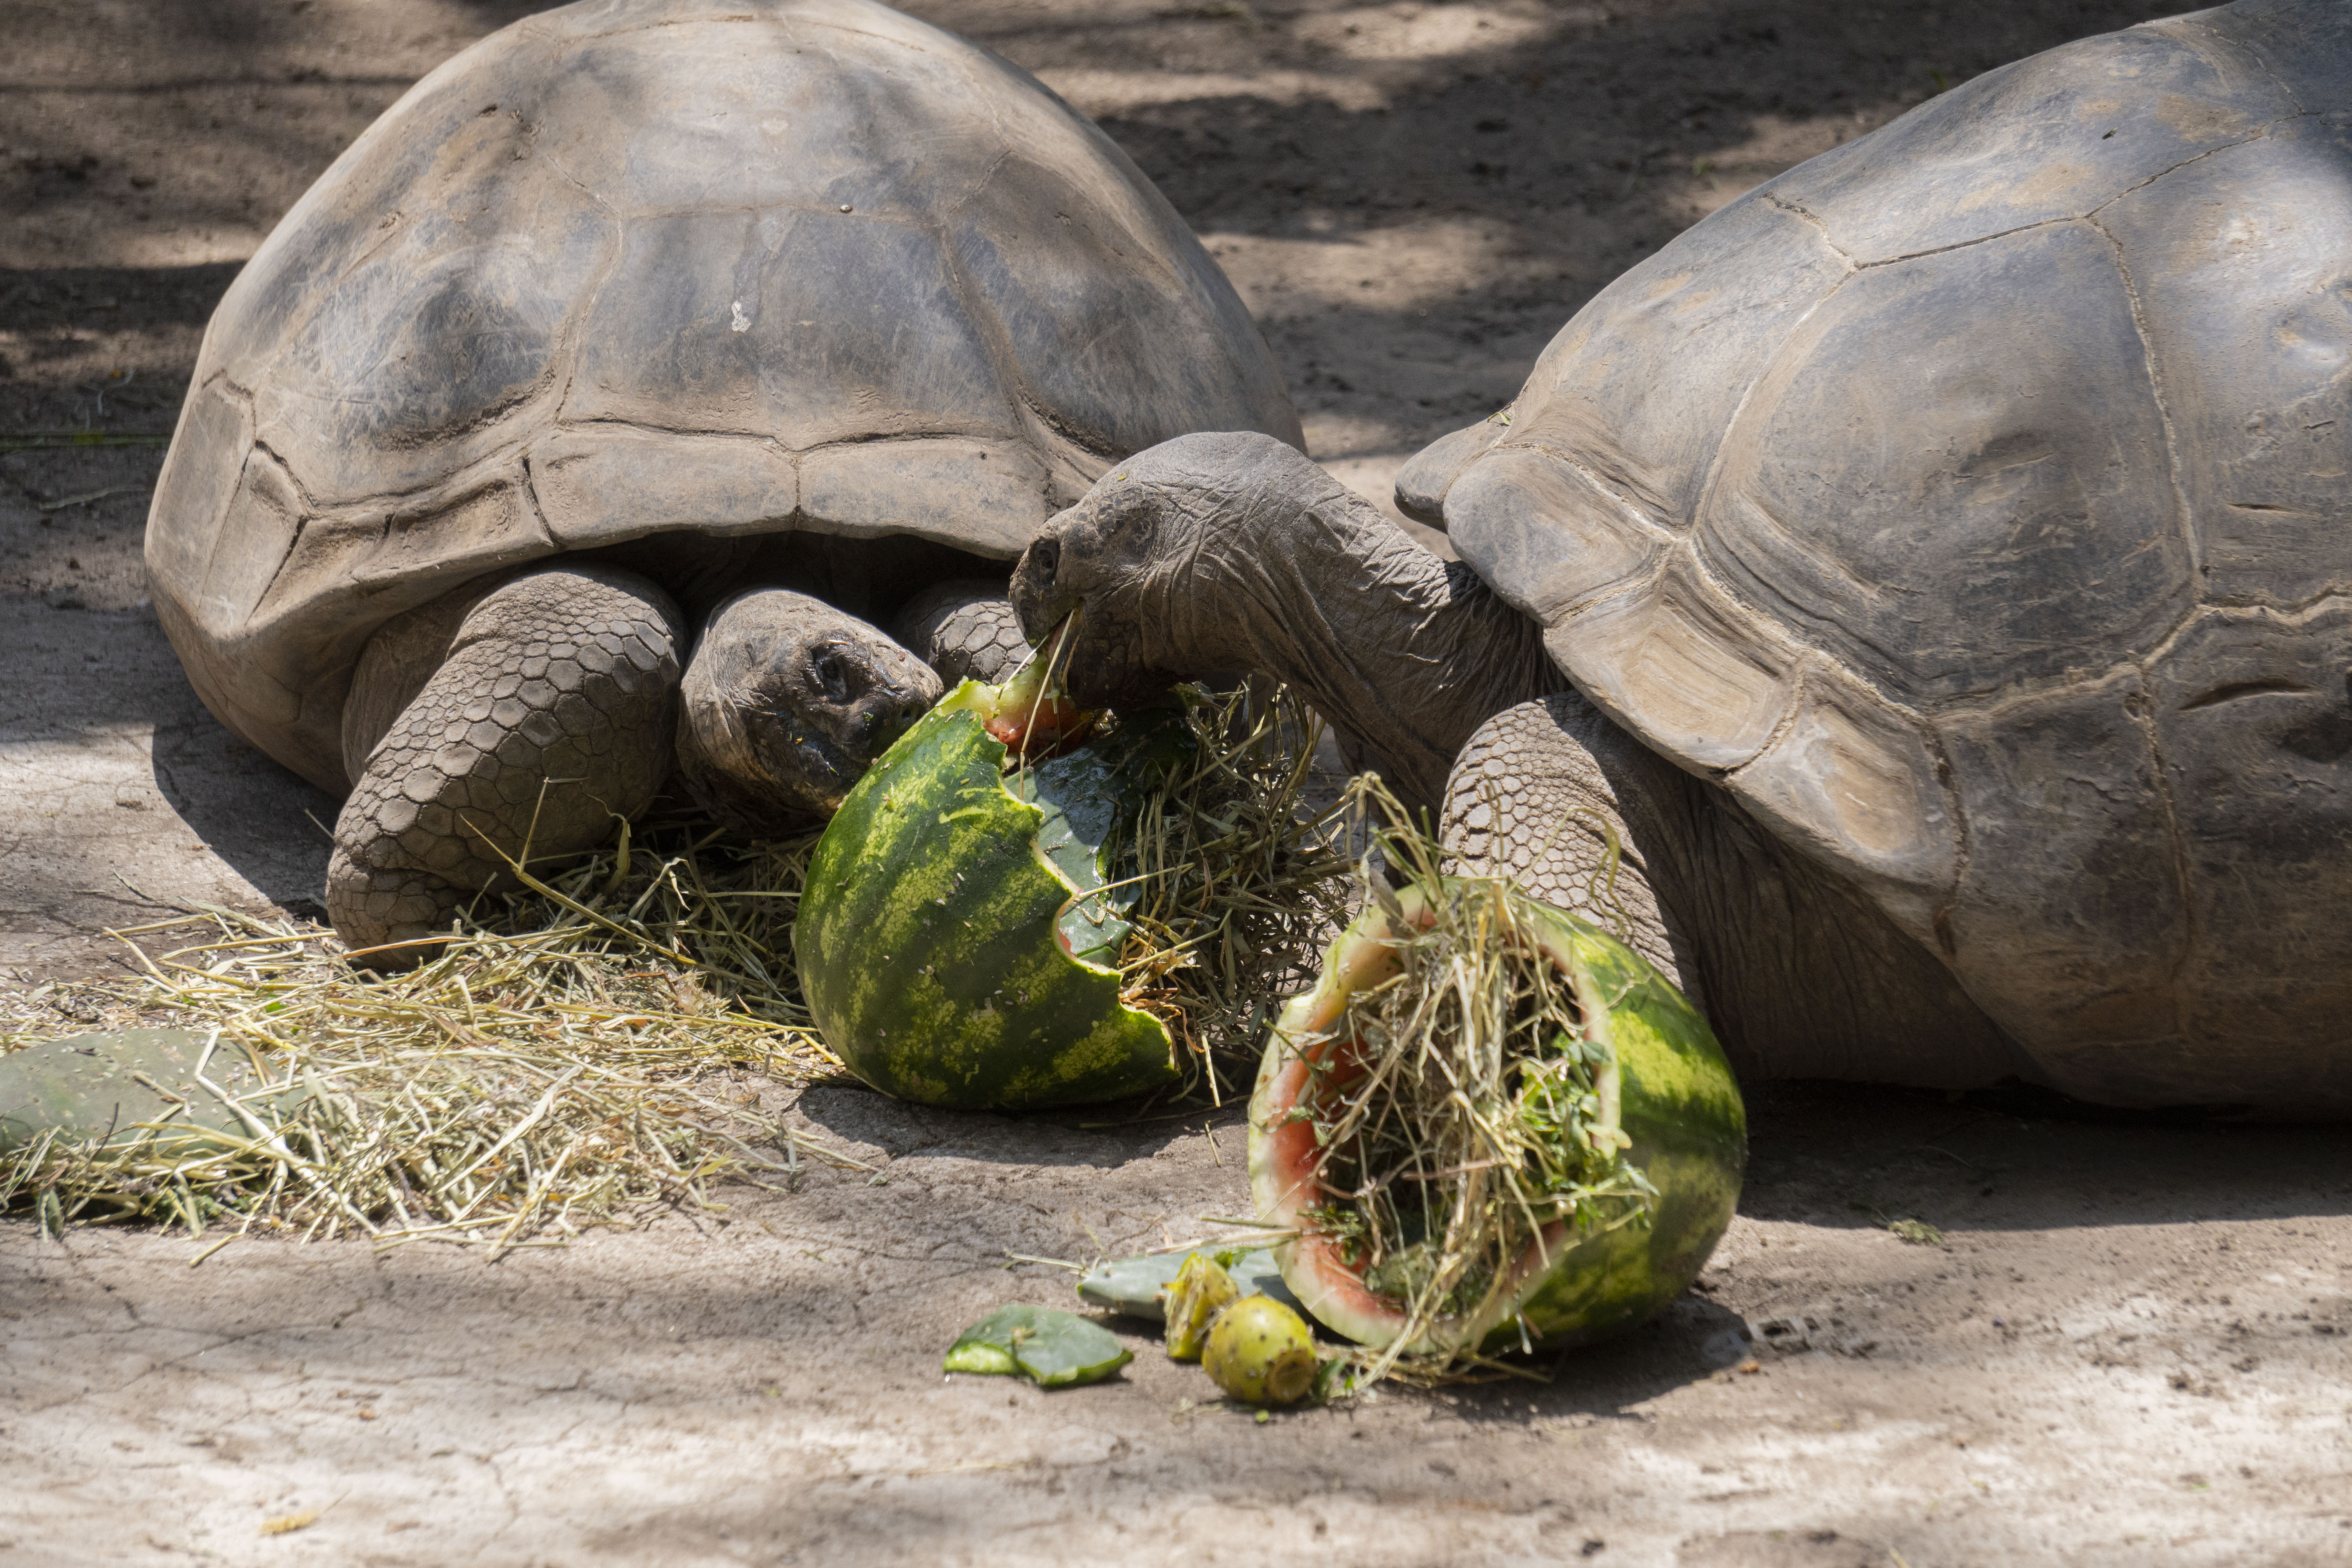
column 1239, row 876
column 576, row 1053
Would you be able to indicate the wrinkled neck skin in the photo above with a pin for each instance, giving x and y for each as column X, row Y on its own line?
column 1222, row 554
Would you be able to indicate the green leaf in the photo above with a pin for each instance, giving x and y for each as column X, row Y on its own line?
column 1057, row 1350
column 108, row 1085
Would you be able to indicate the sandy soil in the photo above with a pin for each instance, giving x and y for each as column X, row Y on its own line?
column 2129, row 1349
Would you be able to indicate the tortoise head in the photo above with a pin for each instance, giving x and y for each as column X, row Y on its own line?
column 787, row 702
column 1163, row 565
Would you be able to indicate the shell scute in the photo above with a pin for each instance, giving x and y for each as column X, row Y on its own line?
column 1855, row 780
column 2239, row 261
column 1675, row 662
column 1955, row 476
column 1102, row 297
column 804, row 327
column 2306, row 48
column 2070, row 920
column 1635, row 397
column 893, row 145
column 1565, row 534
column 2251, row 713
column 980, row 496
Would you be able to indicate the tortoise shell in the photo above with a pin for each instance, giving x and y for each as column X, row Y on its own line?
column 635, row 267
column 1971, row 503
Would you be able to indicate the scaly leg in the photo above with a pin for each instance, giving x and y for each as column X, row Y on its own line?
column 529, row 718
column 964, row 627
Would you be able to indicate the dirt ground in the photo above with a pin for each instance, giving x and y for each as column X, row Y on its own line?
column 2130, row 1347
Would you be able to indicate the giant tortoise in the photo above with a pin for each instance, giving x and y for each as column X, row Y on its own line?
column 640, row 317
column 1934, row 569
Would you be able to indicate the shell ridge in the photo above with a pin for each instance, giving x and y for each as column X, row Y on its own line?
column 2184, row 510
column 1798, row 210
column 302, row 522
column 756, row 209
column 1811, row 669
column 565, row 359
column 1978, row 239
column 781, row 22
column 600, row 423
column 450, row 489
column 1808, row 664
column 1770, row 617
column 1617, row 594
column 1632, row 510
column 2259, row 132
column 1604, row 662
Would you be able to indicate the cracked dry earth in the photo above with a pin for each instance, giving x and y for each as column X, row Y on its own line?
column 2130, row 1347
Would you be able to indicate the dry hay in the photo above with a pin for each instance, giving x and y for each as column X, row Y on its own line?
column 573, row 1055
column 1240, row 877
column 599, row 1042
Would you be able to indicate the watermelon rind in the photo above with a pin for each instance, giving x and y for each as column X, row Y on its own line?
column 1675, row 1098
column 954, row 941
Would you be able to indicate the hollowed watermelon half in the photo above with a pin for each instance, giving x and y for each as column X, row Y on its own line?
column 956, row 939
column 1665, row 1084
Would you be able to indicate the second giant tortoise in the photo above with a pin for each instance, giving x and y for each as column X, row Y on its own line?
column 1934, row 569
column 641, row 319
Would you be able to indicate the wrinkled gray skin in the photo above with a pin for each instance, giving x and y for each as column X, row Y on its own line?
column 788, row 700
column 1934, row 568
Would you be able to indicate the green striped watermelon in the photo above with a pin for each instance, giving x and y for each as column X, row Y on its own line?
column 1667, row 1087
column 956, row 941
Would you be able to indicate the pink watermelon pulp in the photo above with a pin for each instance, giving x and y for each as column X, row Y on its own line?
column 1661, row 1082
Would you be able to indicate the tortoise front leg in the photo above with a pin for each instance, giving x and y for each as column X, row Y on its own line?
column 962, row 628
column 519, row 722
column 1798, row 974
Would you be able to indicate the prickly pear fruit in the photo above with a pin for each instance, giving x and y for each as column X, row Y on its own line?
column 1260, row 1352
column 1201, row 1290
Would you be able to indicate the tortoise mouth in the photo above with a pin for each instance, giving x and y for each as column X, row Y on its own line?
column 1100, row 666
column 1032, row 713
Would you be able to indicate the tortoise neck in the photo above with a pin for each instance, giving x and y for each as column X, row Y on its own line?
column 1403, row 652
